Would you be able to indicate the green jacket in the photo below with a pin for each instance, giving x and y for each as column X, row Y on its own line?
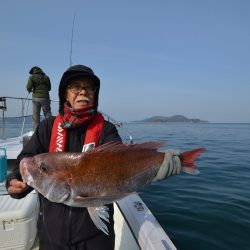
column 39, row 84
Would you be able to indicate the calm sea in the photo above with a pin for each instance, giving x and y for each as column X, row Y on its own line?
column 208, row 211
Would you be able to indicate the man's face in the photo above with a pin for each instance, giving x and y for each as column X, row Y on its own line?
column 81, row 93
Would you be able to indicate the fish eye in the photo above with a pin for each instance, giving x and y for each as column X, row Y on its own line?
column 44, row 167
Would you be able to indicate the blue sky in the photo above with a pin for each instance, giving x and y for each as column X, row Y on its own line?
column 153, row 57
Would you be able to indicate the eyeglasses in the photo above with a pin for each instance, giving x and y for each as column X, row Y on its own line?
column 76, row 89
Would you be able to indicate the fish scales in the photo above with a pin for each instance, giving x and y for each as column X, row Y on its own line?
column 106, row 173
column 109, row 170
column 122, row 165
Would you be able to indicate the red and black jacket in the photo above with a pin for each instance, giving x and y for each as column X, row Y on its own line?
column 59, row 224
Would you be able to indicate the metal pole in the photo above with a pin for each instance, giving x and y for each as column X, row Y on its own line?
column 3, row 121
column 22, row 108
column 4, row 108
column 26, row 100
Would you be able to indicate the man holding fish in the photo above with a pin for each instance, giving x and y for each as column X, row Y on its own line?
column 77, row 127
column 79, row 166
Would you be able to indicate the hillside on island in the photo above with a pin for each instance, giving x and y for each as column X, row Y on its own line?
column 174, row 118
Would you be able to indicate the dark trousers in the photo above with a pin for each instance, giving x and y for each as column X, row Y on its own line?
column 98, row 242
column 38, row 104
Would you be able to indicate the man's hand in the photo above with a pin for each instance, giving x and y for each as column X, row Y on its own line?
column 17, row 187
column 171, row 165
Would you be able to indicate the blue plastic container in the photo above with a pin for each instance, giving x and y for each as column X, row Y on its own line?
column 3, row 164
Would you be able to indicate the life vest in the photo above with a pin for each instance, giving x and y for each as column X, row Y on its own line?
column 59, row 135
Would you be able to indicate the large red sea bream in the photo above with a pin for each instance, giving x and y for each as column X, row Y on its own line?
column 102, row 175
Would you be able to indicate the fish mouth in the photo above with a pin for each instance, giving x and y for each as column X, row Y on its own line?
column 26, row 176
column 29, row 180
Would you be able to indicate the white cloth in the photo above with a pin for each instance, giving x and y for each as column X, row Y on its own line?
column 171, row 165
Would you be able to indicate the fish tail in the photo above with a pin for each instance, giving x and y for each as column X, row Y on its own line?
column 188, row 158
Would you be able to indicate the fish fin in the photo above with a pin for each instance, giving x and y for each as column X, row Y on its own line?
column 190, row 170
column 115, row 146
column 97, row 214
column 187, row 160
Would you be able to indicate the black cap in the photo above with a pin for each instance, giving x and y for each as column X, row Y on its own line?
column 75, row 72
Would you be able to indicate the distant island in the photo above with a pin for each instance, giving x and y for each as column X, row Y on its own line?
column 174, row 118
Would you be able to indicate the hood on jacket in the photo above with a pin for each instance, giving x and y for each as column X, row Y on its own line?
column 36, row 70
column 75, row 72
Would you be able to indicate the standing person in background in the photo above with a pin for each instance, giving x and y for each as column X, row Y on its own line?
column 39, row 84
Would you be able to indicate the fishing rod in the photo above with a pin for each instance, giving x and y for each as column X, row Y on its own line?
column 24, row 117
column 117, row 124
column 71, row 40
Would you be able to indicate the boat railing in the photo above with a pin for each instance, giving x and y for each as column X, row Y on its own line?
column 15, row 111
column 19, row 110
